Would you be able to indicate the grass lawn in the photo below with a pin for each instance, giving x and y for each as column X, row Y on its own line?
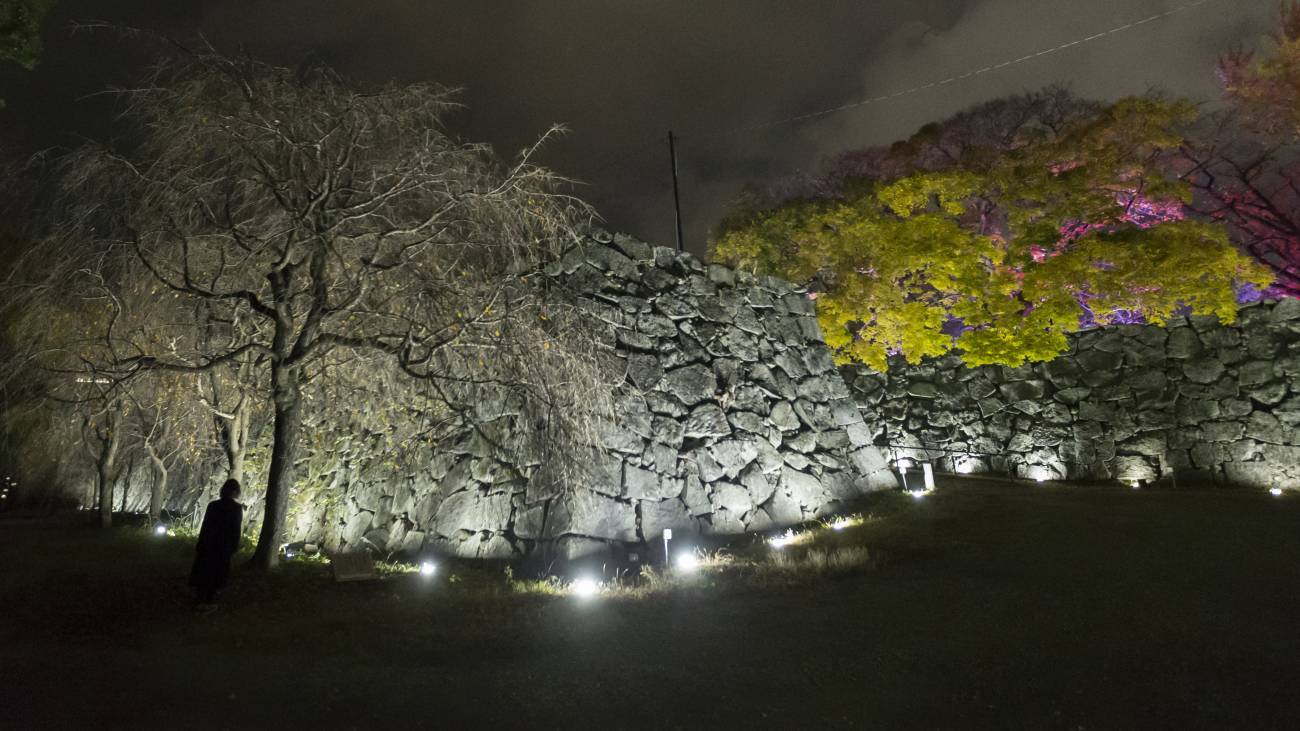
column 989, row 605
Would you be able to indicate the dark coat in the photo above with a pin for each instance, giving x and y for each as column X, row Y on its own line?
column 218, row 541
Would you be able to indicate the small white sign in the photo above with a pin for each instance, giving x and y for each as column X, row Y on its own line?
column 668, row 534
column 928, row 471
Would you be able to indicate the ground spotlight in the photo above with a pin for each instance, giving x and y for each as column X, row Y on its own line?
column 687, row 561
column 584, row 587
column 160, row 530
column 427, row 568
column 782, row 540
column 1275, row 491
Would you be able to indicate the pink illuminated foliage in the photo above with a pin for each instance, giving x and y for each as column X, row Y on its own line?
column 1245, row 166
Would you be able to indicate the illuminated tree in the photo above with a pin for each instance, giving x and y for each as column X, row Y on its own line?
column 1268, row 89
column 299, row 233
column 1245, row 166
column 1000, row 231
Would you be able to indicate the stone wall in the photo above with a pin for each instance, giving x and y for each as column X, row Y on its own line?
column 731, row 417
column 1196, row 402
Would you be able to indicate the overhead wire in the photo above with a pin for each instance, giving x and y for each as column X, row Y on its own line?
column 956, row 78
column 637, row 151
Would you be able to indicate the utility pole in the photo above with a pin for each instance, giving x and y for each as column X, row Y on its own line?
column 677, row 201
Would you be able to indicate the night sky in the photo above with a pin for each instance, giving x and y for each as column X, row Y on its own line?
column 620, row 73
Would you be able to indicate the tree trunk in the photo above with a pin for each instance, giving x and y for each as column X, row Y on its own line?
column 126, row 485
column 286, row 398
column 233, row 431
column 158, row 490
column 235, row 441
column 106, row 468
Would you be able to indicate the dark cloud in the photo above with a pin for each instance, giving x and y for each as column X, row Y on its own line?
column 620, row 73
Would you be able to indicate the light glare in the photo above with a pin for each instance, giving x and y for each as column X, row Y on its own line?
column 585, row 587
column 687, row 562
column 782, row 540
column 427, row 568
column 160, row 530
column 1275, row 491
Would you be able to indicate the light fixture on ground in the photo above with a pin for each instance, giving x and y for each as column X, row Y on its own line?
column 687, row 561
column 584, row 587
column 1275, row 491
column 160, row 530
column 782, row 540
column 427, row 568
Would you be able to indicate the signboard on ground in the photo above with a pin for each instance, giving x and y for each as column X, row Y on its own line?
column 352, row 566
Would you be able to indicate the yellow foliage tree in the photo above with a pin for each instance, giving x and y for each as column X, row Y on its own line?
column 1001, row 251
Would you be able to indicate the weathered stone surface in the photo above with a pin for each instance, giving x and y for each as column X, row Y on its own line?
column 1183, row 343
column 759, row 486
column 691, row 384
column 644, row 370
column 658, row 515
column 471, row 511
column 640, row 483
column 1022, row 390
column 597, row 516
column 748, row 421
column 721, row 382
column 1129, row 402
column 732, row 498
column 707, row 421
column 734, row 455
column 783, row 417
column 802, row 487
column 1255, row 372
column 1203, row 370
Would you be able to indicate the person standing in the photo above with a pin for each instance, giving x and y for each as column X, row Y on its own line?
column 218, row 541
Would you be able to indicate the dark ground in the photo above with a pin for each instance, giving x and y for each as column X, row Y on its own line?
column 996, row 606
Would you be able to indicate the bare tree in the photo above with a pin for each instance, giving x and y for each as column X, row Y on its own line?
column 1251, row 181
column 315, row 224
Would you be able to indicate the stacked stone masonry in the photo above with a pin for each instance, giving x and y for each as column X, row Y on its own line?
column 1195, row 402
column 732, row 417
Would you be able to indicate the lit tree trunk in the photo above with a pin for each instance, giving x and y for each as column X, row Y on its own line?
column 126, row 485
column 158, row 490
column 286, row 399
column 232, row 425
column 106, row 466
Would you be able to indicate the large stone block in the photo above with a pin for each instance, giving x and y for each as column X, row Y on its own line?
column 1203, row 370
column 595, row 516
column 803, row 488
column 472, row 511
column 690, row 384
column 707, row 421
column 658, row 515
column 734, row 455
